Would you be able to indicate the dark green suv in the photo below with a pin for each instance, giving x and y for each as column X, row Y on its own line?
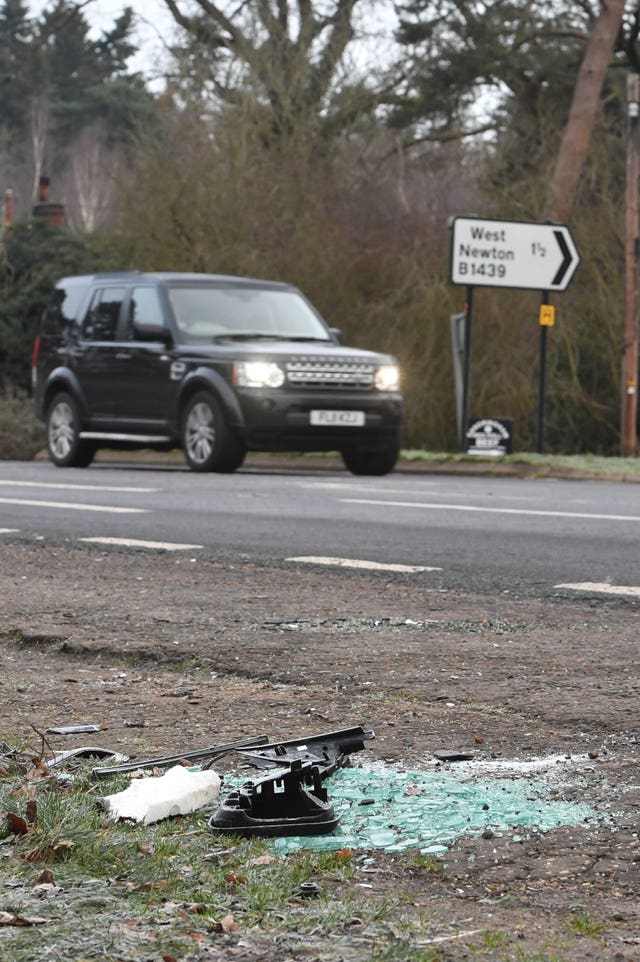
column 215, row 365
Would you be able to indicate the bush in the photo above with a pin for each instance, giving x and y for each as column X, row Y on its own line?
column 21, row 434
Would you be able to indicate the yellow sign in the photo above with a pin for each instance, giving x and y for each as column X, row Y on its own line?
column 547, row 315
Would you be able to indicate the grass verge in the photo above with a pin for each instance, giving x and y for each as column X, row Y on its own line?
column 77, row 885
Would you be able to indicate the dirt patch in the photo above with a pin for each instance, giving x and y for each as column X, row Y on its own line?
column 169, row 653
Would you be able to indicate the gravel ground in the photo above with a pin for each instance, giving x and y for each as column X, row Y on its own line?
column 192, row 652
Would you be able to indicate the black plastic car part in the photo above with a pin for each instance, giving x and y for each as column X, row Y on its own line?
column 210, row 754
column 322, row 750
column 292, row 800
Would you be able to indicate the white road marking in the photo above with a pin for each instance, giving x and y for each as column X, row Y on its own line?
column 368, row 565
column 602, row 588
column 480, row 510
column 9, row 530
column 75, row 487
column 133, row 543
column 71, row 506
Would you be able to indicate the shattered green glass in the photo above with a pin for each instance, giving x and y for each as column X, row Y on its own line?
column 395, row 810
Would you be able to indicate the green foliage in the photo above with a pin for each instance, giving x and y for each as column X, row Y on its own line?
column 33, row 258
column 57, row 83
column 15, row 63
column 21, row 435
column 582, row 923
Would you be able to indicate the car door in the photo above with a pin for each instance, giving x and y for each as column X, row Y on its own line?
column 146, row 393
column 94, row 354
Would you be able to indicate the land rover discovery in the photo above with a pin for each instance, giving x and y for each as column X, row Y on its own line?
column 215, row 365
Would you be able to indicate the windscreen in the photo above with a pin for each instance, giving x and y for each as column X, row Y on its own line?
column 219, row 313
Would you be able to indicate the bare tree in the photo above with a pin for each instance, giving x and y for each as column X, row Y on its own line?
column 90, row 183
column 291, row 54
column 39, row 117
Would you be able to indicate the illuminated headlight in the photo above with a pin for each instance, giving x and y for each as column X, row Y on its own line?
column 388, row 378
column 258, row 374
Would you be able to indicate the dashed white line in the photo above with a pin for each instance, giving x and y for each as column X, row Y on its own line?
column 72, row 506
column 480, row 510
column 9, row 530
column 133, row 543
column 356, row 563
column 630, row 591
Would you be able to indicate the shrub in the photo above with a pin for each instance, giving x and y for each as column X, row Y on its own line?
column 21, row 435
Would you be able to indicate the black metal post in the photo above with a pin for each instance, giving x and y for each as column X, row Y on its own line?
column 468, row 312
column 542, row 378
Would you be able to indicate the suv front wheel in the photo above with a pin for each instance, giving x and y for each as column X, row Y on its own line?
column 372, row 461
column 207, row 441
column 66, row 448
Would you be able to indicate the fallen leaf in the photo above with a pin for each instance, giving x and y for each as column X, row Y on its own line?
column 45, row 876
column 16, row 824
column 6, row 918
column 226, row 924
column 149, row 886
column 343, row 855
column 32, row 811
column 264, row 860
column 194, row 908
column 50, row 852
column 44, row 889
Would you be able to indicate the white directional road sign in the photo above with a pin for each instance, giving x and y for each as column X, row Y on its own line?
column 505, row 253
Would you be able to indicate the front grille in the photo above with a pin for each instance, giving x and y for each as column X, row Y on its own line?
column 313, row 373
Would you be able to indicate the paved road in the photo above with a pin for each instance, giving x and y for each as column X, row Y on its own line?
column 498, row 532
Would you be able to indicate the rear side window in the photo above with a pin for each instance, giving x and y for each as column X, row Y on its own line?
column 62, row 311
column 101, row 321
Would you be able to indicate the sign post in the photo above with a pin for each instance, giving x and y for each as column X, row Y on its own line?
column 547, row 320
column 516, row 254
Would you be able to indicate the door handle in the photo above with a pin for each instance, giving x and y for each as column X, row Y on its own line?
column 123, row 356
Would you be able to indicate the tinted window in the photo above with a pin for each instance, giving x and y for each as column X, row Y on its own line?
column 62, row 311
column 101, row 322
column 144, row 309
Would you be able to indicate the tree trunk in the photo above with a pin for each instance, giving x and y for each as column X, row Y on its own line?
column 584, row 109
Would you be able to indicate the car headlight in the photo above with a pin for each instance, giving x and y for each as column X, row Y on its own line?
column 388, row 378
column 258, row 374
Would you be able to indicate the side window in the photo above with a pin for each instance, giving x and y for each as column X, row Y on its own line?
column 101, row 321
column 62, row 310
column 145, row 309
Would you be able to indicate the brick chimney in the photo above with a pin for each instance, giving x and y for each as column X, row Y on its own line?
column 52, row 213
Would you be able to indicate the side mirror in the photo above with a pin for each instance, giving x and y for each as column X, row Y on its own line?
column 153, row 332
column 337, row 334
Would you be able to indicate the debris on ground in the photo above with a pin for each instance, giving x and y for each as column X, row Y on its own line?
column 178, row 792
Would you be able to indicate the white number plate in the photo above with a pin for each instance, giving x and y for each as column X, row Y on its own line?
column 340, row 419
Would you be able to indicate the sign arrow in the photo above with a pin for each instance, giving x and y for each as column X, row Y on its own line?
column 567, row 258
column 503, row 253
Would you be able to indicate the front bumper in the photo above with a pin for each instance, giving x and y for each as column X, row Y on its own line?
column 277, row 420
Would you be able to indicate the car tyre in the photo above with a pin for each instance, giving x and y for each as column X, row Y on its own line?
column 64, row 444
column 207, row 441
column 371, row 461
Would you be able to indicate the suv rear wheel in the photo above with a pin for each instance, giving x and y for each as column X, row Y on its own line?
column 66, row 448
column 372, row 461
column 207, row 441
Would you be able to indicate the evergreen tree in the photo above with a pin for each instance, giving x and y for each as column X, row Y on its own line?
column 16, row 65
